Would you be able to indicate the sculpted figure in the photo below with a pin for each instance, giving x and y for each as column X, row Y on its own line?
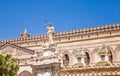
column 50, row 32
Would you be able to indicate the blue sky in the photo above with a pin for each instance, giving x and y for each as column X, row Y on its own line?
column 15, row 15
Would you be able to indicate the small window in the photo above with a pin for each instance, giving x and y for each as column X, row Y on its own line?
column 103, row 57
column 79, row 59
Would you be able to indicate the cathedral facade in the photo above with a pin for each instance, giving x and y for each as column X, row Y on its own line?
column 93, row 51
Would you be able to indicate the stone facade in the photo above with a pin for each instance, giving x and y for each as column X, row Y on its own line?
column 93, row 51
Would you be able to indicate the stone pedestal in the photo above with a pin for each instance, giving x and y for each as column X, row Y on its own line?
column 51, row 69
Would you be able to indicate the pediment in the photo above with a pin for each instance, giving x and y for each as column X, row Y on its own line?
column 15, row 51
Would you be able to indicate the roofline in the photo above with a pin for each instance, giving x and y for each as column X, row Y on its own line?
column 85, row 31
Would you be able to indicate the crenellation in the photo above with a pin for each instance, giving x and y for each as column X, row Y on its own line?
column 42, row 36
column 71, row 32
column 114, row 25
column 58, row 33
column 103, row 27
column 63, row 33
column 106, row 26
column 118, row 25
column 80, row 30
column 35, row 37
column 12, row 40
column 91, row 29
column 96, row 28
column 110, row 27
column 16, row 39
column 77, row 31
column 19, row 39
column 84, row 33
column 88, row 29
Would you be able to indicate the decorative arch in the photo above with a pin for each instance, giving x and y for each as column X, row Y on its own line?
column 95, row 53
column 111, row 52
column 111, row 49
column 87, row 54
column 67, row 56
column 25, row 73
column 67, row 59
column 116, row 53
column 85, row 50
column 88, row 58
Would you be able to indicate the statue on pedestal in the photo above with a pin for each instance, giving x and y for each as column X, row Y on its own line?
column 50, row 32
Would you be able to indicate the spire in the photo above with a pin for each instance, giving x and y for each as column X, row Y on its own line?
column 25, row 31
column 25, row 34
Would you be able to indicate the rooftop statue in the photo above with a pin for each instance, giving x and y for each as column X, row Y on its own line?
column 50, row 32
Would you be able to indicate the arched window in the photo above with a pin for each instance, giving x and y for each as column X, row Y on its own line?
column 105, row 54
column 105, row 57
column 82, row 58
column 88, row 58
column 66, row 59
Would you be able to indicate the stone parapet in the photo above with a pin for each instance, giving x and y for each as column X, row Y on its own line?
column 84, row 33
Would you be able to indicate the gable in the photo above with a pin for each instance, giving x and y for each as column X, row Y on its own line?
column 16, row 51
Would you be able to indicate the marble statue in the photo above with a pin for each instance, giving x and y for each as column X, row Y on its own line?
column 50, row 32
